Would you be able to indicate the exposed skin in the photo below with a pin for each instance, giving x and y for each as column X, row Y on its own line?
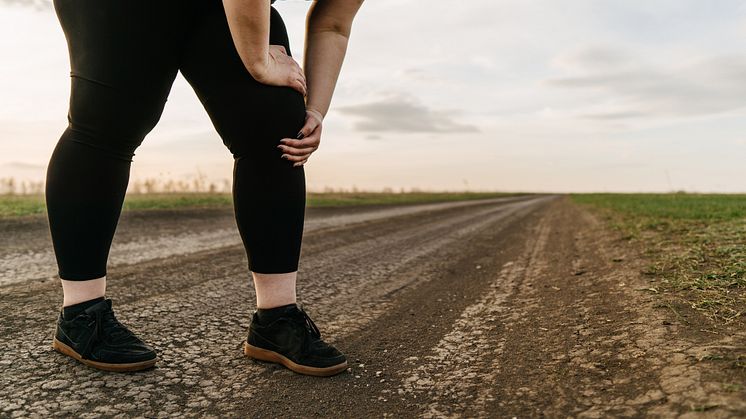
column 75, row 292
column 248, row 21
column 328, row 28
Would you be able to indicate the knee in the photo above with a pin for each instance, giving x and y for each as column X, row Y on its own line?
column 256, row 129
column 110, row 119
column 286, row 113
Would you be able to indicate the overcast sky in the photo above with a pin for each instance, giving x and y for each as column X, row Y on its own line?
column 520, row 95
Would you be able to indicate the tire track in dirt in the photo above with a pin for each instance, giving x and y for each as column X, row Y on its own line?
column 457, row 378
column 588, row 343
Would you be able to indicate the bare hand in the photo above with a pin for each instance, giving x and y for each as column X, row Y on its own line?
column 281, row 70
column 309, row 137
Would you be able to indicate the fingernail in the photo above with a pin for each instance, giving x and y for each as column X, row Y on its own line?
column 300, row 135
column 280, row 146
column 285, row 156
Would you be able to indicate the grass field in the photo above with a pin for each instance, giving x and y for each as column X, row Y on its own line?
column 697, row 245
column 20, row 205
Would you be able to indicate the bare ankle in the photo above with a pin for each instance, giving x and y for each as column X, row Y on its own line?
column 78, row 291
column 274, row 290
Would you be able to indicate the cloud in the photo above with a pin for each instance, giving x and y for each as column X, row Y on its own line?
column 402, row 114
column 36, row 4
column 627, row 86
column 596, row 57
column 611, row 116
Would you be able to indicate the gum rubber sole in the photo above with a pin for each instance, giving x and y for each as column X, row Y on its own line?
column 134, row 366
column 270, row 356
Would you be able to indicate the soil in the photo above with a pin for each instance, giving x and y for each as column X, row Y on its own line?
column 520, row 307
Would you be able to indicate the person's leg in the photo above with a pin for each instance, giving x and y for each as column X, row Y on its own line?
column 123, row 60
column 122, row 67
column 269, row 193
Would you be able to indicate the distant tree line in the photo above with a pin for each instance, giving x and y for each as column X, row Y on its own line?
column 12, row 186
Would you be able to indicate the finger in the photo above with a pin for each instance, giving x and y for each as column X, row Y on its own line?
column 299, row 76
column 308, row 128
column 313, row 140
column 309, row 134
column 280, row 48
column 297, row 85
column 288, row 60
column 296, row 151
column 294, row 158
column 294, row 80
column 300, row 163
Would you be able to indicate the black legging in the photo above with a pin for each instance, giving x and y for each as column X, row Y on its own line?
column 124, row 56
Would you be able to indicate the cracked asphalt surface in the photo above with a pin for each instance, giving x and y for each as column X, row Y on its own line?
column 491, row 308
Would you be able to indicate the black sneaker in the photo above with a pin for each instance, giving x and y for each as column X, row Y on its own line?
column 96, row 338
column 294, row 341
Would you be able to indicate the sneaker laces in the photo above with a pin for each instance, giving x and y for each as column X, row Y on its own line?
column 312, row 334
column 117, row 332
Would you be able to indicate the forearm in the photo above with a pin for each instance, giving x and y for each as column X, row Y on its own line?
column 325, row 52
column 248, row 21
column 328, row 30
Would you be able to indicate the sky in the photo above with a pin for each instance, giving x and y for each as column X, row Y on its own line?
column 480, row 95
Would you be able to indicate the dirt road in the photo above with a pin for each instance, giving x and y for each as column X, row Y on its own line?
column 521, row 307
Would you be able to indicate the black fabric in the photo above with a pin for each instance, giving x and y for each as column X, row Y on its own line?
column 70, row 312
column 96, row 334
column 124, row 56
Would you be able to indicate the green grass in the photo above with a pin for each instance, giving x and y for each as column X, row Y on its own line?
column 16, row 205
column 21, row 205
column 696, row 244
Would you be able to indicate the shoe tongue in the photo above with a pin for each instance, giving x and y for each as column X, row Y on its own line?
column 104, row 305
